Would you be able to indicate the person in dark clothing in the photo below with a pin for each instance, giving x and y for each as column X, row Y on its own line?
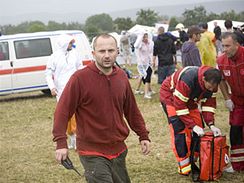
column 164, row 49
column 217, row 31
column 183, row 36
column 240, row 35
column 229, row 27
column 190, row 54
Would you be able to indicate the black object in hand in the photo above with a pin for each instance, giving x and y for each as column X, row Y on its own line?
column 67, row 163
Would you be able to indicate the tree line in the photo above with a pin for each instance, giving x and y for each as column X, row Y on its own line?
column 96, row 24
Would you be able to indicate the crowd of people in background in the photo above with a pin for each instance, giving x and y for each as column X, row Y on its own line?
column 210, row 60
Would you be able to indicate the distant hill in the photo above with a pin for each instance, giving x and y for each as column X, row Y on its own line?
column 173, row 10
column 177, row 10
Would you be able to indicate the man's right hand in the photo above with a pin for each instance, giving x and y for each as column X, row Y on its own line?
column 61, row 154
column 54, row 92
column 198, row 130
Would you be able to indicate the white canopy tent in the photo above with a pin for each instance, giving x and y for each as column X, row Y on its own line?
column 139, row 29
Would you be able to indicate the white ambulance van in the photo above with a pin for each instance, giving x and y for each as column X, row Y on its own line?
column 23, row 59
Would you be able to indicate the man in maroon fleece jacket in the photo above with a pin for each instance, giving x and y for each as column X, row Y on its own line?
column 100, row 96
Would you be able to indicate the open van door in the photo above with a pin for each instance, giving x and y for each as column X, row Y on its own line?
column 6, row 68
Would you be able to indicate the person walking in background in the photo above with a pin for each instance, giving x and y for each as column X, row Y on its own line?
column 164, row 49
column 125, row 47
column 218, row 44
column 228, row 25
column 231, row 65
column 189, row 52
column 229, row 28
column 206, row 47
column 144, row 51
column 180, row 95
column 101, row 97
column 61, row 65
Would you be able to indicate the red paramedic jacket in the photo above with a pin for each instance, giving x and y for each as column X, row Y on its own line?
column 184, row 89
column 233, row 72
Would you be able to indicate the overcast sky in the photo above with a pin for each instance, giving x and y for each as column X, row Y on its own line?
column 19, row 7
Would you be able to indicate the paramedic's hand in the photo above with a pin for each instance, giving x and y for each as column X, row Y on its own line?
column 54, row 92
column 216, row 131
column 198, row 130
column 145, row 147
column 61, row 154
column 229, row 104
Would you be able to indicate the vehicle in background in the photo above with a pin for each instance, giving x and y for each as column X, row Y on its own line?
column 23, row 59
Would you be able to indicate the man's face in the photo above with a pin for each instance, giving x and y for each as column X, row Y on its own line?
column 145, row 38
column 70, row 45
column 197, row 37
column 210, row 86
column 105, row 52
column 229, row 46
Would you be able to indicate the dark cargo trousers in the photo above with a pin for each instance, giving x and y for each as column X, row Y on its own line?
column 102, row 170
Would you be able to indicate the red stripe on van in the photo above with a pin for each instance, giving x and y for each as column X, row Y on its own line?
column 23, row 69
column 31, row 69
column 86, row 62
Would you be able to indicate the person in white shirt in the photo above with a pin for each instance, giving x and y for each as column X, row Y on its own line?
column 61, row 65
column 144, row 54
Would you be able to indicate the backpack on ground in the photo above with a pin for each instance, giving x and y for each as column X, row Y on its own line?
column 213, row 157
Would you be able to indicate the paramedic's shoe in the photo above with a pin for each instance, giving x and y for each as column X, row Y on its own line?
column 139, row 92
column 229, row 170
column 147, row 96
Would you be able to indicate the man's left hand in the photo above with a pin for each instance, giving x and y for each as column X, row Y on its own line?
column 145, row 147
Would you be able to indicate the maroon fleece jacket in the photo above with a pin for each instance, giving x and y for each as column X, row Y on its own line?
column 100, row 104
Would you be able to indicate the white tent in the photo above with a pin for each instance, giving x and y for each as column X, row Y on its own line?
column 139, row 29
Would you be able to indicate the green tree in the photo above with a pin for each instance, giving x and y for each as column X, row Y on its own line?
column 172, row 23
column 22, row 27
column 102, row 22
column 147, row 17
column 123, row 24
column 213, row 16
column 92, row 31
column 36, row 26
column 75, row 26
column 231, row 15
column 195, row 16
column 52, row 26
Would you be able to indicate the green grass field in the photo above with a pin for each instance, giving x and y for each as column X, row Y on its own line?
column 27, row 150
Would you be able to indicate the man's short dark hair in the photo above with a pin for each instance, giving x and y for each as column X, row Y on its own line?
column 212, row 75
column 203, row 26
column 104, row 35
column 229, row 34
column 228, row 24
column 193, row 30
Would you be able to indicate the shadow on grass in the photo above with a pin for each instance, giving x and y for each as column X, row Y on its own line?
column 25, row 96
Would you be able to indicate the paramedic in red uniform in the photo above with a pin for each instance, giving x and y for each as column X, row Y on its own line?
column 101, row 97
column 181, row 95
column 231, row 65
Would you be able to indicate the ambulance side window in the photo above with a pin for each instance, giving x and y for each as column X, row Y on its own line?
column 33, row 48
column 4, row 51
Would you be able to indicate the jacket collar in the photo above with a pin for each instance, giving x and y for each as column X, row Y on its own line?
column 94, row 68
